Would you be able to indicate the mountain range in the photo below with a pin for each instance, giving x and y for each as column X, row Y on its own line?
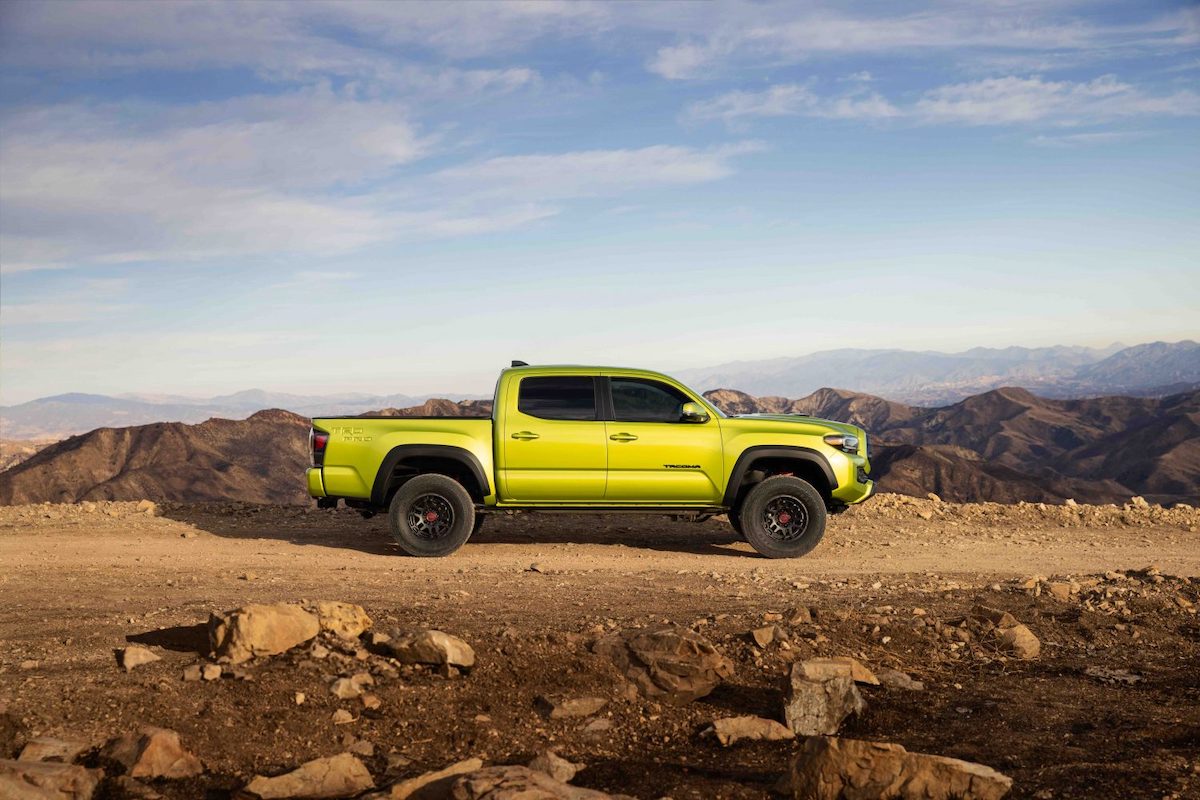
column 933, row 378
column 1004, row 445
column 916, row 378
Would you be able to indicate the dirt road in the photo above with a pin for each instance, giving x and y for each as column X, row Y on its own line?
column 890, row 585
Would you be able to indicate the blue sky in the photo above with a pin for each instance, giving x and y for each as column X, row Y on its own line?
column 401, row 197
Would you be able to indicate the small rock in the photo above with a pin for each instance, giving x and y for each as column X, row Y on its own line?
column 50, row 748
column 815, row 707
column 342, row 775
column 1020, row 641
column 1105, row 674
column 211, row 672
column 514, row 782
column 555, row 766
column 840, row 769
column 152, row 753
column 767, row 634
column 801, row 615
column 1059, row 590
column 431, row 785
column 565, row 707
column 433, row 647
column 146, row 507
column 46, row 779
column 819, row 669
column 667, row 663
column 598, row 725
column 1137, row 501
column 895, row 679
column 734, row 729
column 299, row 698
column 345, row 689
column 193, row 672
column 342, row 717
column 135, row 656
column 363, row 748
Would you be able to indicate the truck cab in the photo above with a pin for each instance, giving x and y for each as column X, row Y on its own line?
column 563, row 438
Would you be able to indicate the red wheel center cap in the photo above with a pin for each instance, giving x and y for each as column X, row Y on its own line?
column 785, row 518
column 431, row 516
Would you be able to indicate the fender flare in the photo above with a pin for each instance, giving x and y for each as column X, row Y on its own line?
column 752, row 454
column 400, row 453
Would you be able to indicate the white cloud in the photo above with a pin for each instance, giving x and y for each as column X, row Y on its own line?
column 771, row 35
column 790, row 100
column 992, row 101
column 597, row 172
column 999, row 101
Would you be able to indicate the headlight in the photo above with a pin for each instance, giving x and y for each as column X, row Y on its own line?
column 846, row 442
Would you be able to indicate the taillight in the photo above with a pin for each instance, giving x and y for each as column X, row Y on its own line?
column 317, row 441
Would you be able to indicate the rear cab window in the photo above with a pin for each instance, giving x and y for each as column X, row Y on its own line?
column 566, row 397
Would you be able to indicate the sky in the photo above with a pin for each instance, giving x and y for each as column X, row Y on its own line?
column 199, row 198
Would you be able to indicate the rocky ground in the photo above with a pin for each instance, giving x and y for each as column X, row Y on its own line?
column 1102, row 701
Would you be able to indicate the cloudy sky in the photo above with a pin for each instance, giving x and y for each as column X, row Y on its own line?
column 327, row 196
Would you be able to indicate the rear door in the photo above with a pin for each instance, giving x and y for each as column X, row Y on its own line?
column 652, row 455
column 555, row 449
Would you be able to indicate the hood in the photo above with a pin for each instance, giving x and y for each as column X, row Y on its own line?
column 802, row 420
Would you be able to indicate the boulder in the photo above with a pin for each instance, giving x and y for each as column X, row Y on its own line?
column 135, row 656
column 520, row 783
column 847, row 769
column 50, row 748
column 152, row 753
column 46, row 780
column 555, row 766
column 817, row 707
column 342, row 619
column 666, row 663
column 819, row 669
column 342, row 775
column 565, row 707
column 734, row 729
column 260, row 630
column 432, row 647
column 1020, row 642
column 430, row 786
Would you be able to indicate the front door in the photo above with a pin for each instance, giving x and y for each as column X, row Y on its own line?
column 555, row 448
column 652, row 455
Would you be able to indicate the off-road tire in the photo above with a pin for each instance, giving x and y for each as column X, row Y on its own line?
column 431, row 516
column 735, row 521
column 783, row 517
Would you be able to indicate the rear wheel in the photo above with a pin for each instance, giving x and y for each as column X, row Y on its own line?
column 783, row 517
column 431, row 515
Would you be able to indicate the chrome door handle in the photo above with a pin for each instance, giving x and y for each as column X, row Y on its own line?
column 524, row 435
column 623, row 437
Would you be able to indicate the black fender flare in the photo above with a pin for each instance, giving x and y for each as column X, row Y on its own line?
column 401, row 453
column 751, row 454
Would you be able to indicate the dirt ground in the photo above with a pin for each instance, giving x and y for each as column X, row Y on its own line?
column 890, row 585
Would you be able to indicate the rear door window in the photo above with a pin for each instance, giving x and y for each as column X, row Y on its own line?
column 566, row 397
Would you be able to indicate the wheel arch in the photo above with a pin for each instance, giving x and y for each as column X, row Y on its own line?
column 804, row 462
column 407, row 460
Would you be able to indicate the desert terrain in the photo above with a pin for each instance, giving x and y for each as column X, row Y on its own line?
column 1109, row 707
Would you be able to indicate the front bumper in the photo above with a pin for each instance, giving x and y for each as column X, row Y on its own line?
column 315, row 481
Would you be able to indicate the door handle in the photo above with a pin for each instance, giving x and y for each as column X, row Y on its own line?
column 524, row 435
column 623, row 437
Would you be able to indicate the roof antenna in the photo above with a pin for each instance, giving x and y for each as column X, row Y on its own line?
column 516, row 363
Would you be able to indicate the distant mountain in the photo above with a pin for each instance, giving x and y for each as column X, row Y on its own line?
column 260, row 459
column 933, row 378
column 69, row 414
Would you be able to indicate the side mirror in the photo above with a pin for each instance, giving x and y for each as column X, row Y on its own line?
column 693, row 412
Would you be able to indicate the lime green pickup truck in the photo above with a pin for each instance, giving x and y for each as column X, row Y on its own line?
column 592, row 439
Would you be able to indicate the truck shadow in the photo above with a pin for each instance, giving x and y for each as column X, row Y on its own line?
column 346, row 529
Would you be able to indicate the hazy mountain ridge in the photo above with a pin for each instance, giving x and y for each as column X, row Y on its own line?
column 74, row 413
column 931, row 378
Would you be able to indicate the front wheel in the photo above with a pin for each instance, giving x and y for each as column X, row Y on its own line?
column 783, row 517
column 431, row 515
